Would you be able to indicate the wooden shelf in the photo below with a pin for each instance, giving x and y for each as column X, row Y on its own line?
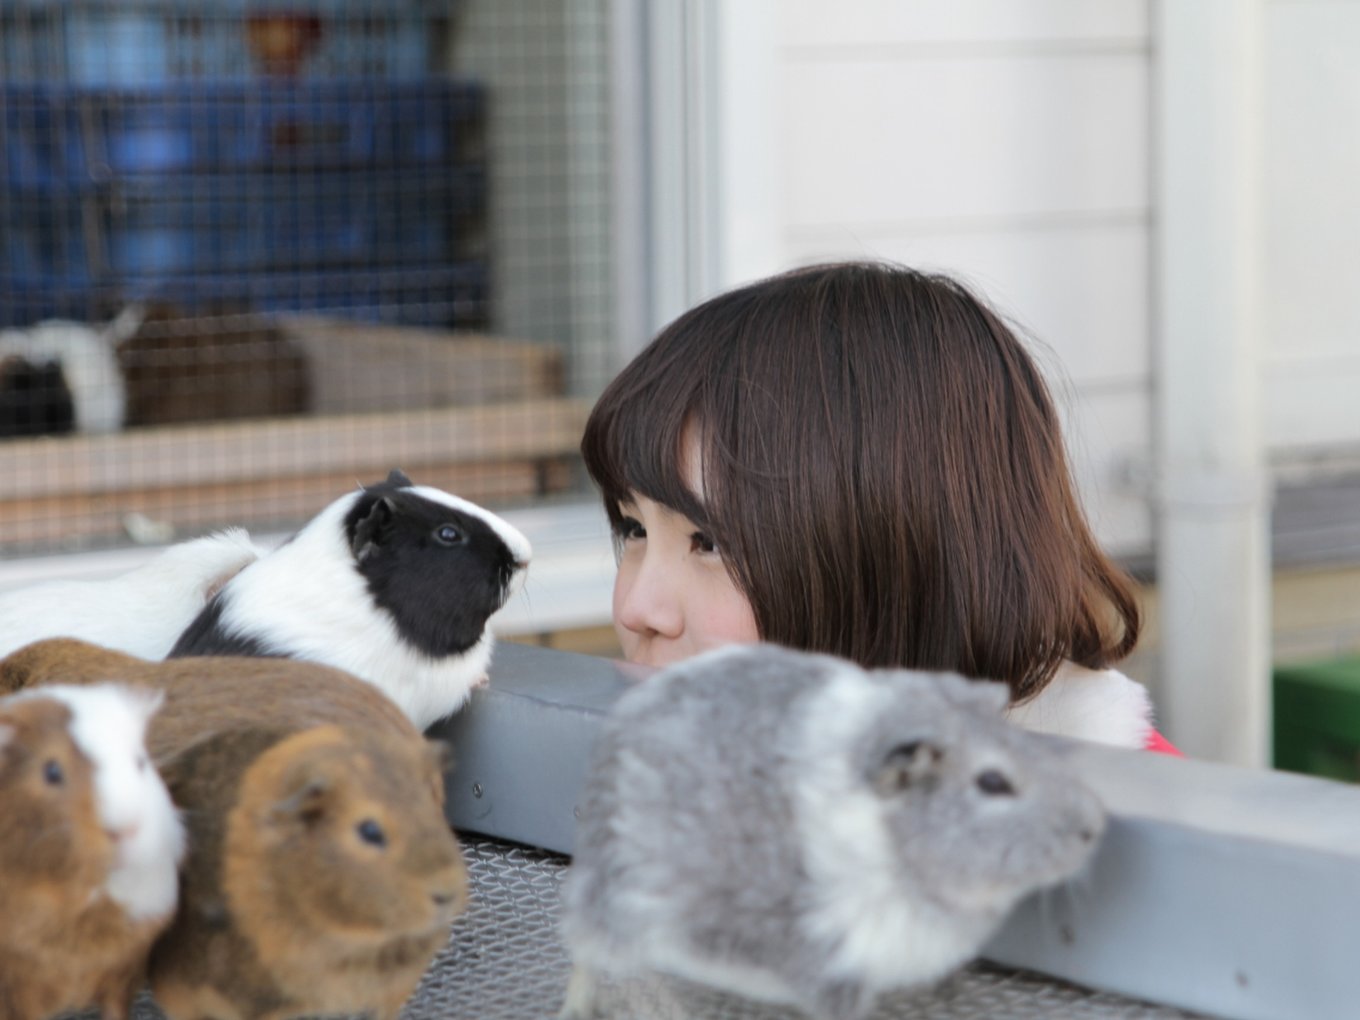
column 480, row 416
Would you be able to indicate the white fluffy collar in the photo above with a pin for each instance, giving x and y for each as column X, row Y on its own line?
column 1103, row 706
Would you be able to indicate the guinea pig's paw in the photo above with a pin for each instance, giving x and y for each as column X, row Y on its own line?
column 841, row 1000
column 579, row 1003
column 480, row 681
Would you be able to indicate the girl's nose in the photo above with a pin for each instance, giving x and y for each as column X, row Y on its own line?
column 645, row 600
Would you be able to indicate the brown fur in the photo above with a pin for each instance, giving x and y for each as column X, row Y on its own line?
column 284, row 909
column 218, row 365
column 212, row 693
column 64, row 944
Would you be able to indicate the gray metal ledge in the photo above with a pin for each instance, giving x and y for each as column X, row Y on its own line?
column 1219, row 890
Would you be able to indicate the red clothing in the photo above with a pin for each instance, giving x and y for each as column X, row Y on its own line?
column 1100, row 705
column 1158, row 744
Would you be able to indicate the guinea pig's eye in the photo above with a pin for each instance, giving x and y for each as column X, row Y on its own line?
column 371, row 832
column 994, row 784
column 53, row 774
column 447, row 534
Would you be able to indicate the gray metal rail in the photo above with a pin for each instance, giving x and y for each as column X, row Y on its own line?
column 1221, row 891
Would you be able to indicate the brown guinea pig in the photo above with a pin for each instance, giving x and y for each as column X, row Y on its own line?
column 322, row 875
column 216, row 364
column 89, row 849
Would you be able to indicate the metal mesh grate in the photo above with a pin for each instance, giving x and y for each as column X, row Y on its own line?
column 511, row 932
column 289, row 249
column 505, row 961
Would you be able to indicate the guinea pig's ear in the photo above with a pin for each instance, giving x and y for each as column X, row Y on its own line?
column 439, row 753
column 372, row 529
column 148, row 700
column 910, row 765
column 438, row 763
column 307, row 802
column 981, row 695
column 398, row 478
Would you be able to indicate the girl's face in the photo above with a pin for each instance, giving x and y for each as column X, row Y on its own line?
column 673, row 597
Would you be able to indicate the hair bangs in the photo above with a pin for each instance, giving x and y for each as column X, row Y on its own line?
column 634, row 442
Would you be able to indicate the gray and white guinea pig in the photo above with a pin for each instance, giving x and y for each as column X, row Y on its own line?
column 393, row 583
column 794, row 829
column 141, row 612
column 90, row 845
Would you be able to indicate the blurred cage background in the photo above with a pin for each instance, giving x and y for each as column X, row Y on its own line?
column 254, row 253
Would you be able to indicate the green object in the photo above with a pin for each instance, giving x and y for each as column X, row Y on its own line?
column 1317, row 718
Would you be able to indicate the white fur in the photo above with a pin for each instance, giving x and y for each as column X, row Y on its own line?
column 142, row 612
column 887, row 934
column 108, row 724
column 89, row 362
column 309, row 595
column 1103, row 706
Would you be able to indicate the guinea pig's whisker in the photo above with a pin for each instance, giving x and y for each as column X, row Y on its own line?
column 1079, row 889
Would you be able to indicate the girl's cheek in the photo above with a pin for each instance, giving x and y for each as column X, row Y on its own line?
column 728, row 618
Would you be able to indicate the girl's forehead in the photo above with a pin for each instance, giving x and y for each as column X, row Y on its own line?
column 667, row 473
column 692, row 461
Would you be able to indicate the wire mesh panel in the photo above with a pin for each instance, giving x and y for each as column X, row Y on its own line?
column 252, row 253
column 504, row 961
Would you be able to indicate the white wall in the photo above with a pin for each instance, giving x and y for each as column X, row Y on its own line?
column 1004, row 141
column 1010, row 141
column 1312, row 223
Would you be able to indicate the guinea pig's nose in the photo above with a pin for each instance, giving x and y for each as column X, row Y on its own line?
column 122, row 833
column 447, row 902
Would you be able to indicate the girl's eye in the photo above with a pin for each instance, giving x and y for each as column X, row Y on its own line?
column 630, row 528
column 701, row 543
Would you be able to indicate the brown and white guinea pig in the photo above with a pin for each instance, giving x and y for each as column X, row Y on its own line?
column 394, row 583
column 322, row 876
column 795, row 829
column 142, row 612
column 89, row 850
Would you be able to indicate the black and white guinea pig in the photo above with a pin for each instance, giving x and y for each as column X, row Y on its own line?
column 141, row 612
column 34, row 399
column 393, row 583
column 80, row 384
column 798, row 830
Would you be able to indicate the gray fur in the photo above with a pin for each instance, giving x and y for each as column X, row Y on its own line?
column 764, row 820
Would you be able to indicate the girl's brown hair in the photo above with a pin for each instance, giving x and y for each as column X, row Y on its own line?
column 883, row 471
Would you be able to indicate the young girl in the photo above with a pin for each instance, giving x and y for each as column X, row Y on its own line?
column 862, row 459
